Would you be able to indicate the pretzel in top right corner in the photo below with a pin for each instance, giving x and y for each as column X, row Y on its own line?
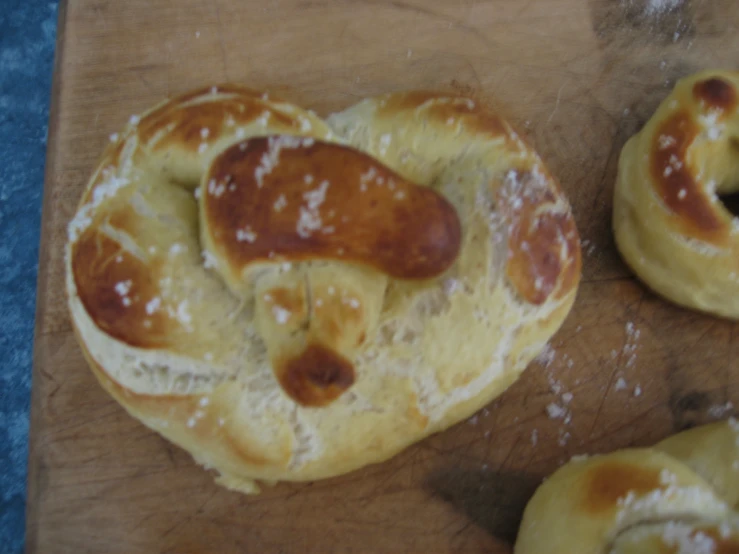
column 670, row 224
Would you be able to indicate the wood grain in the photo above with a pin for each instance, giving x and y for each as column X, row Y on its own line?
column 577, row 76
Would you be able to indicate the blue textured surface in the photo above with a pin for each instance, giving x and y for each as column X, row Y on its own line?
column 27, row 34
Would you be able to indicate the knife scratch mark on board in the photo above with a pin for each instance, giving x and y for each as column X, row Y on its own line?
column 556, row 104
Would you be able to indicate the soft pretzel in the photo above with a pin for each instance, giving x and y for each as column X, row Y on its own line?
column 670, row 225
column 291, row 299
column 678, row 497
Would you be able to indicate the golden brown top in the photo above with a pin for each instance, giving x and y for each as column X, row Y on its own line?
column 692, row 145
column 227, row 186
column 299, row 199
column 716, row 93
column 610, row 482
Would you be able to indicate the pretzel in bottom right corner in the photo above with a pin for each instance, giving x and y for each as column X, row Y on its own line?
column 677, row 497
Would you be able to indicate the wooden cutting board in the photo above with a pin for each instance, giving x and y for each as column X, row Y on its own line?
column 577, row 76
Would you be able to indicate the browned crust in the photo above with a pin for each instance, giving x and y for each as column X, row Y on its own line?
column 678, row 188
column 612, row 480
column 716, row 94
column 189, row 114
column 114, row 287
column 316, row 377
column 536, row 267
column 369, row 214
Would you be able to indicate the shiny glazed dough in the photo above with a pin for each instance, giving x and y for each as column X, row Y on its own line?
column 289, row 298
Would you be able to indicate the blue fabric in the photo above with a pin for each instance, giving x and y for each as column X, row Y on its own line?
column 27, row 35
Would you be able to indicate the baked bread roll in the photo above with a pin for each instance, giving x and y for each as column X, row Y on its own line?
column 678, row 497
column 670, row 225
column 291, row 299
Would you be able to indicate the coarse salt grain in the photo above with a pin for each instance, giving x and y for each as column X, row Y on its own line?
column 153, row 305
column 564, row 437
column 450, row 286
column 246, row 235
column 271, row 157
column 385, row 143
column 657, row 7
column 687, row 540
column 216, row 189
column 280, row 314
column 182, row 314
column 713, row 127
column 280, row 203
column 555, row 411
column 546, row 356
column 123, row 287
column 666, row 477
column 721, row 409
column 263, row 119
column 209, row 260
column 102, row 192
column 665, row 141
column 310, row 218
